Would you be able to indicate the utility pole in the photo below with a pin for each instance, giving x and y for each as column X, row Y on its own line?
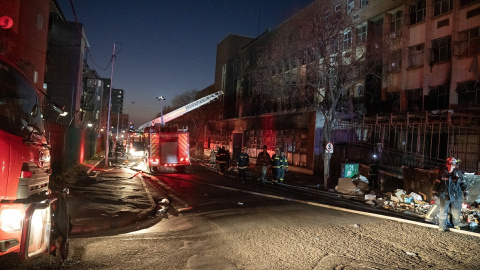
column 109, row 109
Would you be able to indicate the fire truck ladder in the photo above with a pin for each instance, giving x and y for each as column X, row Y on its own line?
column 182, row 110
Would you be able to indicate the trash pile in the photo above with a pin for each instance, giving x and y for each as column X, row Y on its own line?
column 399, row 201
column 353, row 186
column 412, row 203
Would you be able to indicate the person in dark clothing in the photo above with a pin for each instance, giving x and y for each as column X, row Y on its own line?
column 263, row 160
column 276, row 166
column 451, row 189
column 283, row 166
column 222, row 159
column 243, row 163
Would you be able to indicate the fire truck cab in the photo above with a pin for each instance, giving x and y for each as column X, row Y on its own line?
column 33, row 220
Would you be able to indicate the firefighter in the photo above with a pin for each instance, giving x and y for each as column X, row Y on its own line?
column 222, row 159
column 283, row 166
column 263, row 160
column 276, row 166
column 243, row 163
column 451, row 189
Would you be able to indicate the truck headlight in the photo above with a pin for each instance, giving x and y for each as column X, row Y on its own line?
column 11, row 220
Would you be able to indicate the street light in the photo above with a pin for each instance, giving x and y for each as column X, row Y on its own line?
column 160, row 98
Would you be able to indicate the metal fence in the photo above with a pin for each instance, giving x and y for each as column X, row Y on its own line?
column 422, row 141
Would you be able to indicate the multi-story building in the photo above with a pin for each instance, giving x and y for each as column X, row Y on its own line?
column 92, row 100
column 65, row 68
column 406, row 72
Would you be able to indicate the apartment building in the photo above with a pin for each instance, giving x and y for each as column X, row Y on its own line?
column 411, row 92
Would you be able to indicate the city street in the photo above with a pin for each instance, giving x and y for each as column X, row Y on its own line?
column 217, row 223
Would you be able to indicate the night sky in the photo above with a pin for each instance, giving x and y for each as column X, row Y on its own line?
column 167, row 46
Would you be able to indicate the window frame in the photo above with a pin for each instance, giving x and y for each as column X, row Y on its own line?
column 438, row 7
column 414, row 98
column 347, row 39
column 418, row 12
column 350, row 6
column 396, row 23
column 362, row 34
column 415, row 55
column 363, row 3
column 467, row 43
column 441, row 44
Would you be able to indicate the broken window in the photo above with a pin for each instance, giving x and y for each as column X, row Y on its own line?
column 415, row 55
column 441, row 49
column 468, row 41
column 468, row 94
column 437, row 98
column 414, row 99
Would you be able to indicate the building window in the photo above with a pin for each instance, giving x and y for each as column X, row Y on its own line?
column 350, row 6
column 347, row 39
column 414, row 99
column 338, row 7
column 393, row 101
column 468, row 94
column 442, row 6
column 395, row 61
column 417, row 12
column 438, row 98
column 441, row 49
column 469, row 41
column 415, row 55
column 334, row 44
column 396, row 24
column 467, row 2
column 363, row 3
column 362, row 34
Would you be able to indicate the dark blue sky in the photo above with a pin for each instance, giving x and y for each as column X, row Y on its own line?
column 167, row 46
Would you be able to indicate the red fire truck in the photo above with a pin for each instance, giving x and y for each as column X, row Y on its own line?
column 169, row 146
column 166, row 147
column 33, row 220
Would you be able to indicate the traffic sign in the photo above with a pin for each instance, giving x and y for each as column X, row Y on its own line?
column 329, row 148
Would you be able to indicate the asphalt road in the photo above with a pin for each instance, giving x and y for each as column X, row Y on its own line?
column 219, row 223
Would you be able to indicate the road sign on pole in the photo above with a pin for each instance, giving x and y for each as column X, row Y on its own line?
column 329, row 148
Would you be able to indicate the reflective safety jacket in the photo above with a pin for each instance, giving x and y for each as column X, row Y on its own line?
column 283, row 162
column 276, row 164
column 243, row 161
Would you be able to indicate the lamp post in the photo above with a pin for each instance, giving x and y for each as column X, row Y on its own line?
column 160, row 98
column 120, row 107
column 109, row 109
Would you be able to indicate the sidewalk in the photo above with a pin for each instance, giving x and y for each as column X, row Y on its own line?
column 104, row 198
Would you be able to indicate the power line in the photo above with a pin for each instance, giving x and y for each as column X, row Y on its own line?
column 89, row 53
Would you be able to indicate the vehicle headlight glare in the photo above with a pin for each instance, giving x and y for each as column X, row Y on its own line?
column 11, row 220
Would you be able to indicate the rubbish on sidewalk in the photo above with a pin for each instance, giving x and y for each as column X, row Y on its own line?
column 240, row 203
column 400, row 193
column 353, row 186
column 370, row 197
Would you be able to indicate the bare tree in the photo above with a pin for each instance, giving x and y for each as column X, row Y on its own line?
column 314, row 61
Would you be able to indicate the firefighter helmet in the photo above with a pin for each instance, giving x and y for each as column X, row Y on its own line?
column 453, row 161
